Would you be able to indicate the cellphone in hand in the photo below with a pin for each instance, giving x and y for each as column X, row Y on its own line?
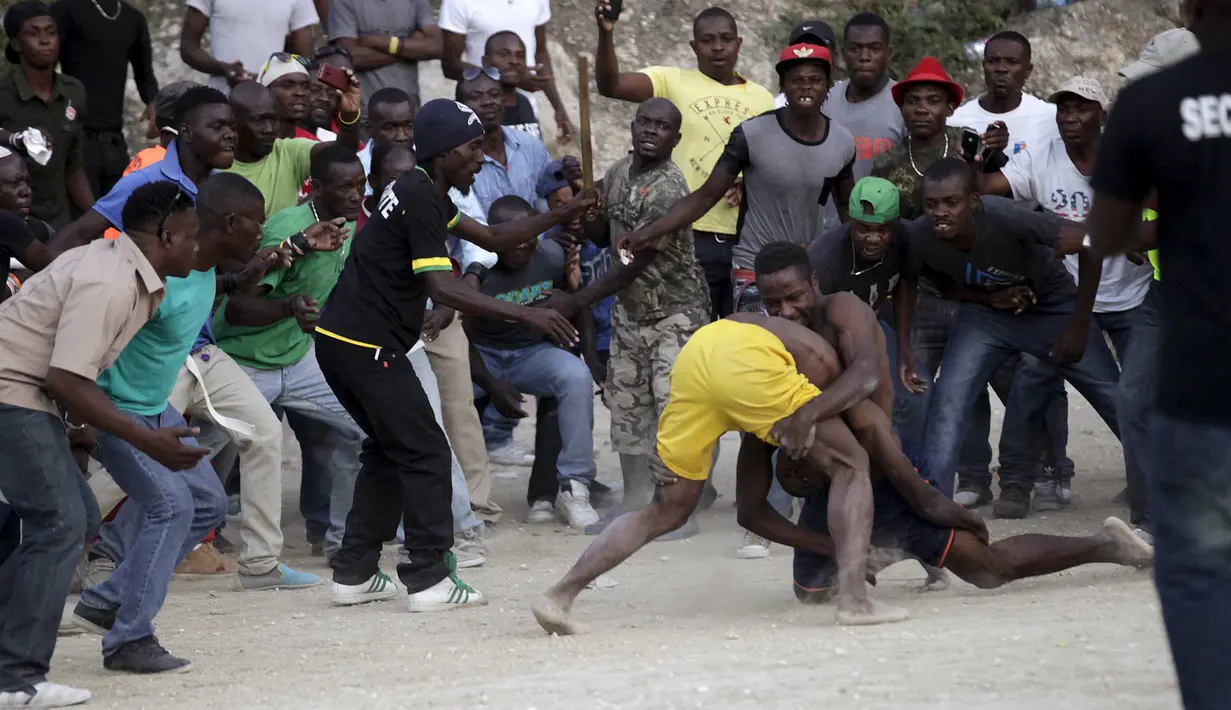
column 972, row 142
column 333, row 77
column 613, row 14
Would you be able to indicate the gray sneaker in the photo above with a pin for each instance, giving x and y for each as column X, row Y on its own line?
column 1048, row 495
column 468, row 549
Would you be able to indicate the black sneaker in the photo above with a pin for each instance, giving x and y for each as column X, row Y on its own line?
column 98, row 621
column 145, row 656
column 1014, row 503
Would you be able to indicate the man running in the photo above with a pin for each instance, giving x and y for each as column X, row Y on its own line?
column 755, row 374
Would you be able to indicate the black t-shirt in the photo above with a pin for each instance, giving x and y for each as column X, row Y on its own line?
column 381, row 293
column 1171, row 132
column 1012, row 246
column 524, row 287
column 837, row 269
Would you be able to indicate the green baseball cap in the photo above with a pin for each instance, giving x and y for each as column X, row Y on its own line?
column 880, row 194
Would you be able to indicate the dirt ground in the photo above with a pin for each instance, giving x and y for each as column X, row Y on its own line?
column 687, row 626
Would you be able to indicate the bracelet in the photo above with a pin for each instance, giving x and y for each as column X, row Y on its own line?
column 393, row 45
column 345, row 122
column 299, row 243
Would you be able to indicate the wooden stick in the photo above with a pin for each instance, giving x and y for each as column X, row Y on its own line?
column 583, row 95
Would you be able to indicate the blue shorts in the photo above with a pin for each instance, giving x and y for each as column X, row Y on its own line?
column 894, row 525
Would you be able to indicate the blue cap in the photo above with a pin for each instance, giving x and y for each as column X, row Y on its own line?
column 442, row 125
column 551, row 179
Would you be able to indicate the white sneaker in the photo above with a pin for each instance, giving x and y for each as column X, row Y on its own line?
column 468, row 549
column 510, row 455
column 574, row 505
column 541, row 512
column 755, row 547
column 46, row 695
column 378, row 588
column 449, row 593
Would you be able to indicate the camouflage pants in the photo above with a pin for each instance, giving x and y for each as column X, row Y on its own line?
column 639, row 372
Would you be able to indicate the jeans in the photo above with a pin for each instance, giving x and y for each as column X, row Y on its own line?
column 1135, row 334
column 1036, row 413
column 233, row 395
column 301, row 389
column 910, row 429
column 934, row 320
column 497, row 428
column 405, row 466
column 1190, row 495
column 167, row 514
column 463, row 517
column 48, row 496
column 981, row 341
column 714, row 256
column 544, row 370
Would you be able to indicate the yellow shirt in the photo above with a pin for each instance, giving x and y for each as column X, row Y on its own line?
column 1151, row 216
column 711, row 111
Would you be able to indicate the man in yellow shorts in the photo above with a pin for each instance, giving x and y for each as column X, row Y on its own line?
column 758, row 375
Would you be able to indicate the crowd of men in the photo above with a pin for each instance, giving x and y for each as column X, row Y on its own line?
column 838, row 270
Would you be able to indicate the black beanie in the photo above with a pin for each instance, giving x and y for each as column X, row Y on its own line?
column 442, row 125
column 18, row 15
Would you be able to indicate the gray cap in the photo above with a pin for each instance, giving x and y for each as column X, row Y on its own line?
column 1163, row 50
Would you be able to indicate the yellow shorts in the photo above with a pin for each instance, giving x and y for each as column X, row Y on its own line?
column 729, row 376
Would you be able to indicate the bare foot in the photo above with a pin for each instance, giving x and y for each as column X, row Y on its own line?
column 555, row 618
column 868, row 612
column 1130, row 549
column 685, row 531
column 937, row 581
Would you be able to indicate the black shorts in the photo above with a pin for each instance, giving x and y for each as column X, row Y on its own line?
column 894, row 525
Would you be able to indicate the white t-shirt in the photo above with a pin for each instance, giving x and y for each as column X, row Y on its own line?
column 1032, row 123
column 248, row 31
column 480, row 19
column 1046, row 175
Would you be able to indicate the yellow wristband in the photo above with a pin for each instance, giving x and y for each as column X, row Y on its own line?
column 345, row 122
column 393, row 45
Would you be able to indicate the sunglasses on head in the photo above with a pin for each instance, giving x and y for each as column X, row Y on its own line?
column 288, row 57
column 162, row 218
column 472, row 73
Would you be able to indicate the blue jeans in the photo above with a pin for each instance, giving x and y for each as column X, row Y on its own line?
column 47, row 493
column 981, row 341
column 1037, row 414
column 168, row 513
column 1190, row 495
column 910, row 429
column 544, row 370
column 330, row 460
column 934, row 321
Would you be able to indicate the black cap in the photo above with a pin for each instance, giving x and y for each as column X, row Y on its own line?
column 817, row 31
column 18, row 15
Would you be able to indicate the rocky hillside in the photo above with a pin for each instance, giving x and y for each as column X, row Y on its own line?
column 1091, row 37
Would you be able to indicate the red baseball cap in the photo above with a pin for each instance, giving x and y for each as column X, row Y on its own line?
column 928, row 71
column 803, row 52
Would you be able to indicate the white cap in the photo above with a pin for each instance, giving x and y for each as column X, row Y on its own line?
column 1163, row 50
column 280, row 65
column 1082, row 86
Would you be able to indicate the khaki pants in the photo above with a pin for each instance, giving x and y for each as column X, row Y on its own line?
column 234, row 395
column 449, row 354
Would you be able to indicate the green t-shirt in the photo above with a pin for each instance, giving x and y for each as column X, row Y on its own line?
column 143, row 376
column 280, row 174
column 313, row 274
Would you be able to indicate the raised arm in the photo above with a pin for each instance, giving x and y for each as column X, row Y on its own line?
column 629, row 86
column 684, row 212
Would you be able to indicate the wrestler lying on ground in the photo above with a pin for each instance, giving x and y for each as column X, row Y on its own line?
column 899, row 533
column 760, row 375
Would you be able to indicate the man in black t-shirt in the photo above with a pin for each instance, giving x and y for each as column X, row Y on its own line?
column 1170, row 134
column 373, row 319
column 998, row 259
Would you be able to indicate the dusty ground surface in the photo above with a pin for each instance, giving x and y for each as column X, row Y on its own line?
column 688, row 625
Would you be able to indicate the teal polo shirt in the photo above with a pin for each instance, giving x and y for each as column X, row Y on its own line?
column 143, row 376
